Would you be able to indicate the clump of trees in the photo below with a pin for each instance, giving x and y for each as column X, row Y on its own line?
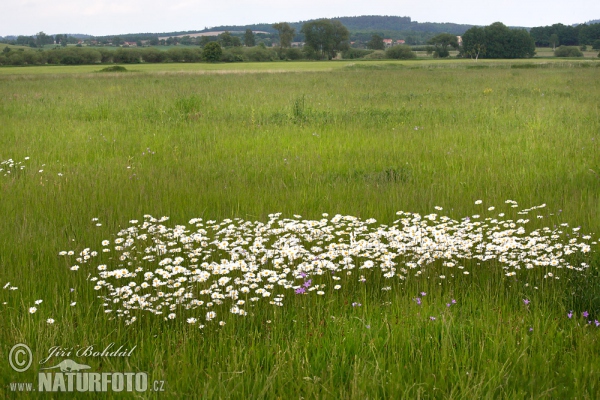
column 568, row 51
column 497, row 41
column 324, row 38
column 566, row 35
column 440, row 44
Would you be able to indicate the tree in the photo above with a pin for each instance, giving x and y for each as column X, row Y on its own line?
column 376, row 43
column 6, row 50
column 249, row 40
column 228, row 40
column 41, row 39
column 473, row 43
column 553, row 40
column 286, row 34
column 324, row 38
column 441, row 43
column 212, row 52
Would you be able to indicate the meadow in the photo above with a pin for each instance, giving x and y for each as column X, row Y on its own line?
column 267, row 186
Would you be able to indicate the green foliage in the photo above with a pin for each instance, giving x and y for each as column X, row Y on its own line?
column 325, row 38
column 352, row 53
column 441, row 42
column 497, row 41
column 376, row 55
column 376, row 43
column 127, row 56
column 292, row 54
column 249, row 40
column 286, row 34
column 568, row 51
column 231, row 55
column 212, row 52
column 152, row 55
column 260, row 53
column 228, row 40
column 596, row 44
column 473, row 43
column 400, row 52
column 180, row 55
column 566, row 35
column 114, row 68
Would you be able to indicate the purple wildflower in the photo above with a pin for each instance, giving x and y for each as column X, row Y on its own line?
column 585, row 314
column 526, row 301
column 423, row 294
column 432, row 318
column 597, row 323
column 448, row 304
column 570, row 314
column 307, row 283
column 303, row 274
column 368, row 326
column 530, row 329
column 418, row 300
column 300, row 290
column 453, row 301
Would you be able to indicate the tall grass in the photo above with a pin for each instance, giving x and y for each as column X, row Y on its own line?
column 359, row 141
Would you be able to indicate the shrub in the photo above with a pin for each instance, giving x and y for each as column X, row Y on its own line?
column 352, row 54
column 292, row 54
column 596, row 44
column 152, row 55
column 228, row 55
column 127, row 56
column 114, row 68
column 259, row 53
column 400, row 52
column 376, row 55
column 568, row 51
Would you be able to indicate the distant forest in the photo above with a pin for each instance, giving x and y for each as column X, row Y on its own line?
column 361, row 30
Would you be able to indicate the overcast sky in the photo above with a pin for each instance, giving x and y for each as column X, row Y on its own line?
column 107, row 17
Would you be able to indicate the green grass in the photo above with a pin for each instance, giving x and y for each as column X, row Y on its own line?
column 223, row 141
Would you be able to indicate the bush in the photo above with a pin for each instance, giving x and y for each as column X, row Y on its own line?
column 292, row 54
column 376, row 55
column 127, row 56
column 152, row 55
column 183, row 55
column 114, row 68
column 259, row 53
column 568, row 51
column 596, row 45
column 231, row 56
column 400, row 52
column 353, row 54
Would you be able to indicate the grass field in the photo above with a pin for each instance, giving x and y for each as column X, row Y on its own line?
column 234, row 144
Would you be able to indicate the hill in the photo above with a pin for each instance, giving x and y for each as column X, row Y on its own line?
column 362, row 27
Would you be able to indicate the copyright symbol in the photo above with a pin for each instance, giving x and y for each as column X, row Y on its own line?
column 20, row 357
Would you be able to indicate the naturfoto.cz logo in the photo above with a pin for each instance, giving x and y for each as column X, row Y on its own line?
column 71, row 376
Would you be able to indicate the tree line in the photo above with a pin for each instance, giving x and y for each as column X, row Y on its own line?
column 325, row 39
column 559, row 34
